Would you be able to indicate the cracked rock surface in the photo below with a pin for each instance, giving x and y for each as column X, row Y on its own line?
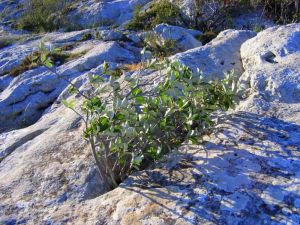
column 245, row 172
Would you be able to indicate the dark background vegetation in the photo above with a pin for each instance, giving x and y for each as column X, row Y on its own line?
column 49, row 15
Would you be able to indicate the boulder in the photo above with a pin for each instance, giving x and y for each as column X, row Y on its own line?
column 103, row 13
column 271, row 62
column 48, row 177
column 110, row 35
column 219, row 56
column 13, row 55
column 185, row 38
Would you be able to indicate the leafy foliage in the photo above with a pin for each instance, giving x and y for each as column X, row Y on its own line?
column 86, row 37
column 131, row 122
column 162, row 11
column 130, row 126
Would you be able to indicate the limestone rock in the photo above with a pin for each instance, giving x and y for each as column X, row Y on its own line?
column 48, row 159
column 219, row 56
column 103, row 13
column 185, row 38
column 271, row 61
column 245, row 172
column 110, row 35
column 24, row 98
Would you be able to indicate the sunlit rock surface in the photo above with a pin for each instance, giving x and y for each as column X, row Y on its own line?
column 245, row 172
column 271, row 81
column 220, row 56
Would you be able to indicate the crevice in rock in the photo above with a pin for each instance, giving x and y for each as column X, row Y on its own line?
column 270, row 57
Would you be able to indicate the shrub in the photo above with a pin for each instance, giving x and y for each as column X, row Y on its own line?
column 220, row 13
column 43, row 15
column 162, row 11
column 281, row 11
column 129, row 127
column 284, row 11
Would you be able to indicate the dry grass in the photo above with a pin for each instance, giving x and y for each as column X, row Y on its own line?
column 133, row 67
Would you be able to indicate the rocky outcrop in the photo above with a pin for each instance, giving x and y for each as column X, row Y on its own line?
column 44, row 165
column 271, row 79
column 219, row 56
column 91, row 13
column 185, row 38
column 25, row 97
column 245, row 172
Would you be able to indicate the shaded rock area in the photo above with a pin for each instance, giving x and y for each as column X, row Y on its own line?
column 245, row 172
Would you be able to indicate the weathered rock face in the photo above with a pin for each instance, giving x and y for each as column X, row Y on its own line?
column 272, row 76
column 219, row 56
column 246, row 172
column 242, row 169
column 24, row 98
column 185, row 38
column 48, row 159
column 91, row 13
column 82, row 13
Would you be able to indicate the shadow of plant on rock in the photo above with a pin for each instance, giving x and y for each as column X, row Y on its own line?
column 247, row 172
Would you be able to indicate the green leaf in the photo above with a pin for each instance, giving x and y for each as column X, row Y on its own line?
column 103, row 123
column 194, row 140
column 136, row 91
column 72, row 90
column 69, row 104
column 43, row 57
column 140, row 100
column 48, row 63
column 136, row 161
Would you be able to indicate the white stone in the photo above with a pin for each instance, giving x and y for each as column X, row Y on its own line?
column 97, row 13
column 110, row 35
column 219, row 56
column 185, row 38
column 24, row 98
column 272, row 77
